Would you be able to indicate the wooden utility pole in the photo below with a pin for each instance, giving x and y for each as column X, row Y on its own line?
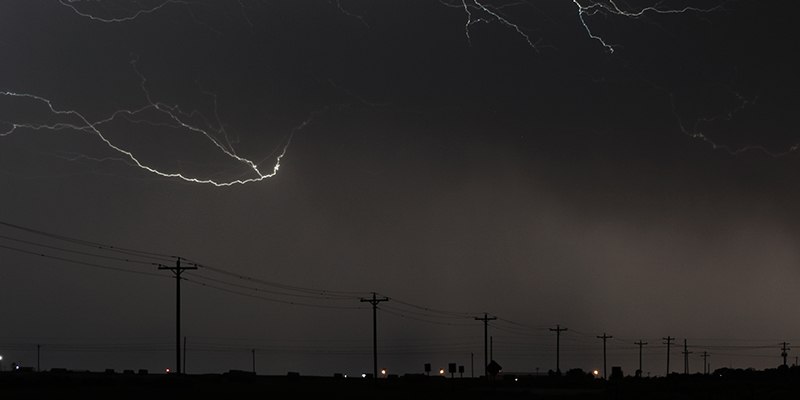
column 184, row 354
column 705, row 364
column 668, row 343
column 640, row 343
column 558, row 331
column 605, row 369
column 485, row 320
column 472, row 363
column 686, row 353
column 374, row 301
column 784, row 353
column 177, row 270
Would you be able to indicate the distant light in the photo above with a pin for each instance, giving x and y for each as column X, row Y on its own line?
column 595, row 372
column 363, row 375
column 16, row 367
column 167, row 370
column 516, row 379
column 345, row 375
column 441, row 372
column 383, row 371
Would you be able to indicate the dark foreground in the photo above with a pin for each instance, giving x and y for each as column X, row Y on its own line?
column 242, row 385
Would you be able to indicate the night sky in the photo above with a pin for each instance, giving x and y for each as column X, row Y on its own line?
column 627, row 168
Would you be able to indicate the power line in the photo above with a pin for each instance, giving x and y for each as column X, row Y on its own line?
column 85, row 242
column 293, row 303
column 79, row 262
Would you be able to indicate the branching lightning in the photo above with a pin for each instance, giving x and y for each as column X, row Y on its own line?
column 136, row 14
column 613, row 9
column 173, row 118
column 159, row 114
column 489, row 13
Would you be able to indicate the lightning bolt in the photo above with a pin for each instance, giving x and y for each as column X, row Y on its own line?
column 613, row 9
column 695, row 131
column 69, row 3
column 482, row 12
column 173, row 118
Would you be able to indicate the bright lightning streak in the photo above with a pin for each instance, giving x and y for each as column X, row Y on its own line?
column 68, row 3
column 697, row 133
column 492, row 13
column 477, row 11
column 94, row 128
column 614, row 9
column 172, row 113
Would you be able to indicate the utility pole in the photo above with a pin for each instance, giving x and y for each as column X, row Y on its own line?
column 485, row 320
column 605, row 369
column 686, row 353
column 374, row 301
column 184, row 354
column 254, row 361
column 669, row 342
column 640, row 343
column 177, row 270
column 784, row 349
column 705, row 359
column 472, row 363
column 38, row 366
column 558, row 331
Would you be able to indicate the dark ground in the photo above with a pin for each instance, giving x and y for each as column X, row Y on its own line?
column 724, row 384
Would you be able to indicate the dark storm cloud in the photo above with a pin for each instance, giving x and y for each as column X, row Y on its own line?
column 562, row 184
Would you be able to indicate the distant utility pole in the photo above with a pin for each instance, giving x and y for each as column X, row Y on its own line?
column 184, row 354
column 558, row 331
column 705, row 359
column 38, row 366
column 784, row 353
column 605, row 369
column 686, row 353
column 177, row 270
column 640, row 343
column 669, row 342
column 374, row 301
column 254, row 361
column 485, row 320
column 472, row 363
